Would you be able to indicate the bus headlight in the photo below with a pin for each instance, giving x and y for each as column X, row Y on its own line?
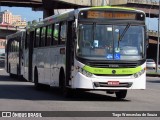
column 138, row 74
column 84, row 72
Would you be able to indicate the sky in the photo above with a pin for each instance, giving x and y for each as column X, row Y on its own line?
column 25, row 13
column 152, row 23
column 29, row 15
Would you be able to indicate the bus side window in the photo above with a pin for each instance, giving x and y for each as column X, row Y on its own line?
column 37, row 37
column 49, row 35
column 18, row 39
column 43, row 36
column 34, row 42
column 63, row 31
column 15, row 45
column 26, row 40
column 18, row 46
column 23, row 40
column 55, row 34
column 12, row 46
column 7, row 48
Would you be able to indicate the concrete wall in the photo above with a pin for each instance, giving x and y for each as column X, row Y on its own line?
column 117, row 2
column 95, row 2
column 84, row 2
column 150, row 2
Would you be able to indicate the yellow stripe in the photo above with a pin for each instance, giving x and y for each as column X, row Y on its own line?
column 118, row 71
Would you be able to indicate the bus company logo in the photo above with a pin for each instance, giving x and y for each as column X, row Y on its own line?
column 113, row 66
column 113, row 72
column 6, row 114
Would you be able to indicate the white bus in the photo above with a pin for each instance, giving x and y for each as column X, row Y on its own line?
column 2, row 57
column 97, row 48
column 14, row 61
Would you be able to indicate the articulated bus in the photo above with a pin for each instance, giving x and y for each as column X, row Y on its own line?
column 14, row 63
column 97, row 48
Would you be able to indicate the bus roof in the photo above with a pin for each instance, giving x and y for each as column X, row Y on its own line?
column 15, row 34
column 73, row 13
column 111, row 7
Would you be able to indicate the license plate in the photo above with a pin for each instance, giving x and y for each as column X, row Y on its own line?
column 114, row 83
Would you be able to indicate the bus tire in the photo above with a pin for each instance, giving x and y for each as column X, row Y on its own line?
column 67, row 92
column 121, row 94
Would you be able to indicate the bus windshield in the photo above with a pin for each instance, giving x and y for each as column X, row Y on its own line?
column 110, row 42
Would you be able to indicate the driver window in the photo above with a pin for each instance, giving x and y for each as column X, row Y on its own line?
column 86, row 35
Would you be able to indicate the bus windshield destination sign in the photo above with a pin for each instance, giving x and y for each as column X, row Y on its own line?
column 110, row 15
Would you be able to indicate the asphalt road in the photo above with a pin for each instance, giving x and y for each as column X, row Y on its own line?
column 18, row 95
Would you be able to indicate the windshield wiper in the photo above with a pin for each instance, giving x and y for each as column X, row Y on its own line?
column 124, row 31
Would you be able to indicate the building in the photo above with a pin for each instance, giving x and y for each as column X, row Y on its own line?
column 6, row 17
column 16, row 18
column 20, row 24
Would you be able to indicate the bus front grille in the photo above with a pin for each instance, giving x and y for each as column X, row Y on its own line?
column 105, row 84
column 112, row 65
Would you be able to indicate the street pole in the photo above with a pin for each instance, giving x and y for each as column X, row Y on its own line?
column 149, row 16
column 0, row 6
column 158, row 40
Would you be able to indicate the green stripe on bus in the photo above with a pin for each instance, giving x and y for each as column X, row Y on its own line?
column 118, row 71
column 110, row 7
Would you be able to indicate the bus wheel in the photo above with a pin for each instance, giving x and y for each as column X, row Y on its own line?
column 36, row 84
column 67, row 92
column 121, row 94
